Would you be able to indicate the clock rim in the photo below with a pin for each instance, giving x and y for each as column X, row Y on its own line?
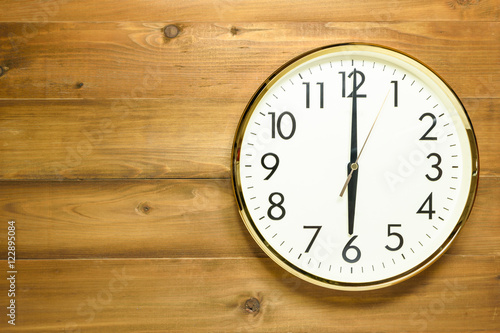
column 284, row 70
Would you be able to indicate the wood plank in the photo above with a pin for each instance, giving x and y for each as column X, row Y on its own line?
column 483, row 221
column 150, row 138
column 221, row 61
column 167, row 219
column 122, row 219
column 117, row 138
column 457, row 294
column 151, row 241
column 487, row 129
column 252, row 10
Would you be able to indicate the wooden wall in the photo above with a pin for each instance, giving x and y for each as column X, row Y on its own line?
column 115, row 145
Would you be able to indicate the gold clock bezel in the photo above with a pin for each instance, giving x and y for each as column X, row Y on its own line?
column 254, row 101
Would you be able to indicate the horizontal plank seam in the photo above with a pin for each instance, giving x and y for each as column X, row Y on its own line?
column 48, row 180
column 157, row 98
column 7, row 180
column 145, row 258
column 250, row 22
column 491, row 256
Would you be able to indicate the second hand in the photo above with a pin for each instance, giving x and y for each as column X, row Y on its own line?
column 354, row 165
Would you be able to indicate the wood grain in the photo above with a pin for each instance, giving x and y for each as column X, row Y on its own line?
column 117, row 138
column 221, row 61
column 159, row 138
column 167, row 219
column 115, row 147
column 458, row 294
column 134, row 219
column 251, row 10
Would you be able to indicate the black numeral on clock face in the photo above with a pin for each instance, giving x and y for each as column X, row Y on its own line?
column 434, row 121
column 435, row 166
column 393, row 233
column 355, row 85
column 318, row 228
column 395, row 93
column 273, row 167
column 276, row 206
column 429, row 211
column 308, row 94
column 321, row 94
column 343, row 83
column 277, row 125
column 348, row 247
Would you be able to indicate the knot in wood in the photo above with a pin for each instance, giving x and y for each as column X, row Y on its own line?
column 467, row 3
column 252, row 305
column 234, row 31
column 171, row 31
column 144, row 208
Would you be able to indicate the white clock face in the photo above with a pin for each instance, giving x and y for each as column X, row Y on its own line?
column 354, row 167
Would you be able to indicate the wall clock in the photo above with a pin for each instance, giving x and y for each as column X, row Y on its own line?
column 354, row 166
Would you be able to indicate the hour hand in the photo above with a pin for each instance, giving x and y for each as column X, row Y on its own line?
column 352, row 170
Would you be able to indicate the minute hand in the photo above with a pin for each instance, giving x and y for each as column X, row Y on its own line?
column 354, row 165
column 353, row 184
column 351, row 201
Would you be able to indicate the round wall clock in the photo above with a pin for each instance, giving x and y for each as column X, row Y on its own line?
column 354, row 166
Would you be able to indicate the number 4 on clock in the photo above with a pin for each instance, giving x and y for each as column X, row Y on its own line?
column 428, row 202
